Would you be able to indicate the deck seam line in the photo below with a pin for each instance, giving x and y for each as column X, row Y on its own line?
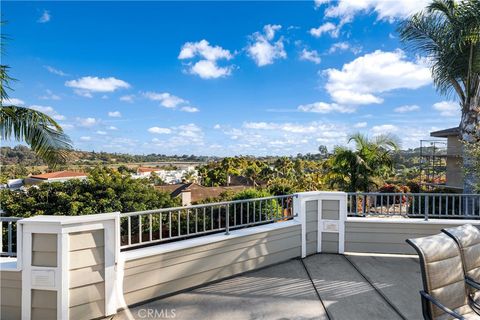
column 329, row 316
column 387, row 300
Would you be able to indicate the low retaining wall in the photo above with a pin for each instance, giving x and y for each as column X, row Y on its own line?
column 388, row 235
column 10, row 294
column 161, row 270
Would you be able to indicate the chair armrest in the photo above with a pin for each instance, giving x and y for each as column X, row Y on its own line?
column 440, row 305
column 472, row 283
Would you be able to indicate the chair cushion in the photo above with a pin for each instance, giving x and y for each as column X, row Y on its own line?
column 468, row 237
column 442, row 269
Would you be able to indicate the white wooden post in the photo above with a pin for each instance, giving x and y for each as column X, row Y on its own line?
column 57, row 278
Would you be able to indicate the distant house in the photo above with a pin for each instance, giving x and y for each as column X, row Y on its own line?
column 168, row 176
column 59, row 176
column 192, row 192
column 454, row 159
column 12, row 184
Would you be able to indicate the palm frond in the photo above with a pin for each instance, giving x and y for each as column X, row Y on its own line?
column 37, row 129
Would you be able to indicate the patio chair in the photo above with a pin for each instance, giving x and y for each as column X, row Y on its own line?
column 444, row 295
column 467, row 238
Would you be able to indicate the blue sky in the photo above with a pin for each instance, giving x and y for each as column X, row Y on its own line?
column 222, row 78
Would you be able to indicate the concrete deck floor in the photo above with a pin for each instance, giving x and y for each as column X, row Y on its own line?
column 322, row 286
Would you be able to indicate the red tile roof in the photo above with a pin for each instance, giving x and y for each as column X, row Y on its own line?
column 59, row 175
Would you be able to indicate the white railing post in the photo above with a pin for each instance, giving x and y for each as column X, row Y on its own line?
column 300, row 216
column 327, row 221
column 53, row 248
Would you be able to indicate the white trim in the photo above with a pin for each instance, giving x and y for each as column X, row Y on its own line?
column 26, row 275
column 319, row 226
column 63, row 292
column 110, row 240
column 386, row 255
column 205, row 240
column 66, row 220
column 341, row 197
column 301, row 217
column 412, row 221
column 343, row 218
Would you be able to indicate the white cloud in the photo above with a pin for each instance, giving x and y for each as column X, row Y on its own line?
column 360, row 81
column 318, row 3
column 158, row 130
column 322, row 107
column 66, row 126
column 113, row 128
column 49, row 111
column 87, row 122
column 53, row 70
column 86, row 85
column 183, row 135
column 127, row 98
column 45, row 17
column 327, row 27
column 310, row 55
column 166, row 99
column 83, row 93
column 102, row 133
column 85, row 138
column 189, row 109
column 189, row 130
column 384, row 129
column 13, row 101
column 49, row 95
column 343, row 46
column 114, row 114
column 204, row 49
column 448, row 108
column 407, row 108
column 386, row 10
column 359, row 125
column 263, row 50
column 206, row 67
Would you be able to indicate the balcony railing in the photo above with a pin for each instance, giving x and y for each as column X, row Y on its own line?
column 8, row 238
column 414, row 205
column 169, row 224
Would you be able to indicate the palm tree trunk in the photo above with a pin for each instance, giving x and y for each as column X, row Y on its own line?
column 470, row 134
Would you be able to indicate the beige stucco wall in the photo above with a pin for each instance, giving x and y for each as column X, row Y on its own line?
column 10, row 294
column 87, row 277
column 454, row 162
column 162, row 274
column 362, row 235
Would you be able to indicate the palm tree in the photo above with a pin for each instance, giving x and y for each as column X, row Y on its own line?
column 365, row 166
column 252, row 172
column 43, row 134
column 448, row 33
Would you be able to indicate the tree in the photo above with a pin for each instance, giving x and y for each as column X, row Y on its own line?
column 190, row 177
column 229, row 166
column 365, row 166
column 43, row 134
column 252, row 172
column 105, row 190
column 448, row 34
column 473, row 152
